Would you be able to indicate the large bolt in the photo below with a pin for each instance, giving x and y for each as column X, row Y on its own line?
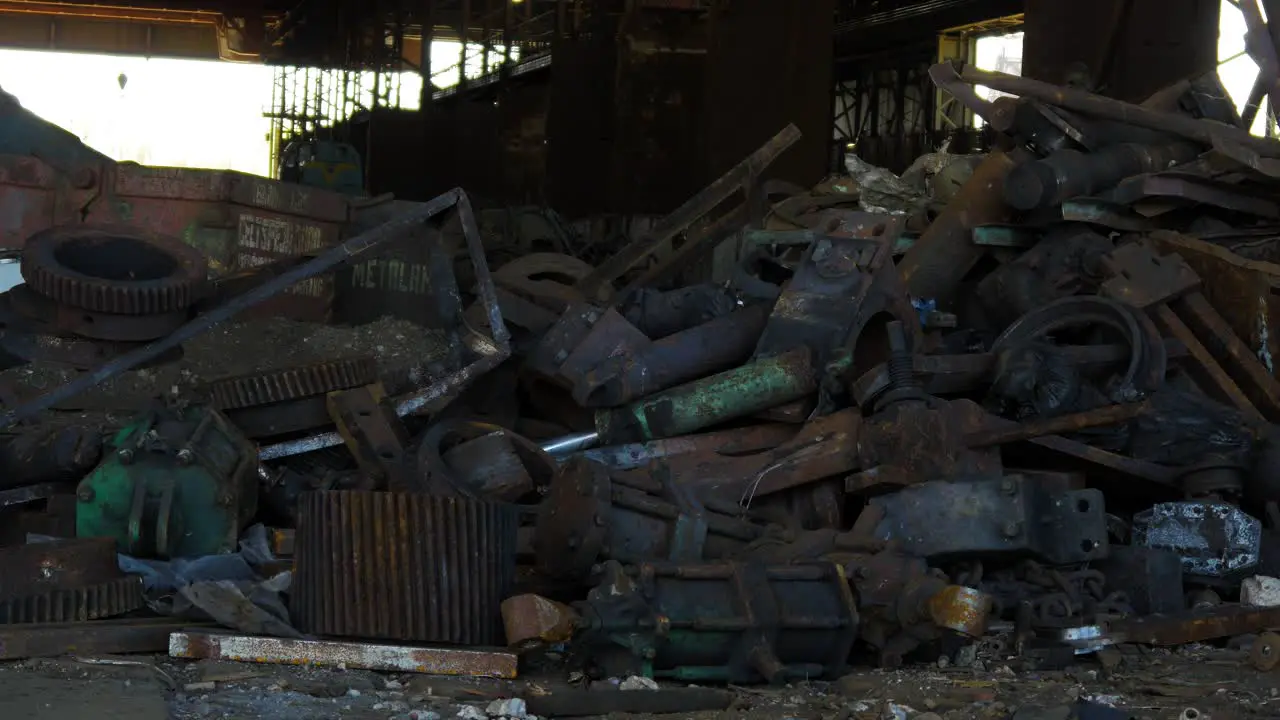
column 85, row 494
column 1012, row 529
column 125, row 455
column 185, row 456
column 901, row 373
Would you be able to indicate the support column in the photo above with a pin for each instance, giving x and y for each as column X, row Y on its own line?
column 769, row 64
column 624, row 123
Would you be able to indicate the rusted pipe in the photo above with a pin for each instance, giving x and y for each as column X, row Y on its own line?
column 939, row 260
column 720, row 344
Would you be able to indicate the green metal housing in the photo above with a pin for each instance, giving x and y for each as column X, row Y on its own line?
column 175, row 483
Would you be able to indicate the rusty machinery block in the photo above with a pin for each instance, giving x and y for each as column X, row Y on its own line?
column 1008, row 515
column 903, row 604
column 845, row 280
column 589, row 516
column 719, row 622
column 402, row 566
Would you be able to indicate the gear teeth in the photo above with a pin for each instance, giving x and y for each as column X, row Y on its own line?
column 294, row 383
column 82, row 604
column 44, row 268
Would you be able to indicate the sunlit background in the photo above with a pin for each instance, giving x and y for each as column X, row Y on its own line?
column 189, row 113
column 178, row 113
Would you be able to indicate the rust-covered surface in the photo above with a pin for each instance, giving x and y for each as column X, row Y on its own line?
column 76, row 604
column 355, row 655
column 104, row 637
column 58, row 565
column 533, row 620
column 239, row 221
column 1243, row 291
column 409, row 567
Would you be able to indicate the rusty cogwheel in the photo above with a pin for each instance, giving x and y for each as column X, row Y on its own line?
column 81, row 604
column 273, row 386
column 114, row 269
column 404, row 566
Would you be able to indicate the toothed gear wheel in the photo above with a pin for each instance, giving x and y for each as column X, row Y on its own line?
column 114, row 269
column 82, row 604
column 294, row 383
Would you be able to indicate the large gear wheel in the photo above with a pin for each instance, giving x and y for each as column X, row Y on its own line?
column 273, row 386
column 114, row 269
column 80, row 604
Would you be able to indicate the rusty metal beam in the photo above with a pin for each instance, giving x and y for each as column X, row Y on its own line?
column 1101, row 417
column 685, row 215
column 110, row 12
column 1204, row 368
column 366, row 656
column 148, row 635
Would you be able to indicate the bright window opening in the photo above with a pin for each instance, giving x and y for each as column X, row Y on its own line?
column 188, row 113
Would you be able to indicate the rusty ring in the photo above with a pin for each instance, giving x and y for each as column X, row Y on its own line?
column 541, row 466
column 294, row 383
column 176, row 273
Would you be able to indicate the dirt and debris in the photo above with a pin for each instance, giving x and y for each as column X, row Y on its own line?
column 246, row 347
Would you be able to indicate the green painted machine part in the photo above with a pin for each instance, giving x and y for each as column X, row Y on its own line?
column 324, row 164
column 735, row 622
column 175, row 483
column 743, row 391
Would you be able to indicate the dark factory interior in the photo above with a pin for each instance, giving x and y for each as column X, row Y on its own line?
column 702, row 359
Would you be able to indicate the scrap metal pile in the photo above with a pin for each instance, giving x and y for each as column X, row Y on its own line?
column 1032, row 418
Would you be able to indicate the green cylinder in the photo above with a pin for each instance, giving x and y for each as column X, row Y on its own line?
column 752, row 388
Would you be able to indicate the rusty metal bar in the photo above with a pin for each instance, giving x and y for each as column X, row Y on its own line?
column 1197, row 626
column 1205, row 368
column 365, row 656
column 1235, row 357
column 111, row 12
column 685, row 215
column 1101, row 417
column 944, row 254
column 1151, row 472
column 328, row 260
column 695, row 247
